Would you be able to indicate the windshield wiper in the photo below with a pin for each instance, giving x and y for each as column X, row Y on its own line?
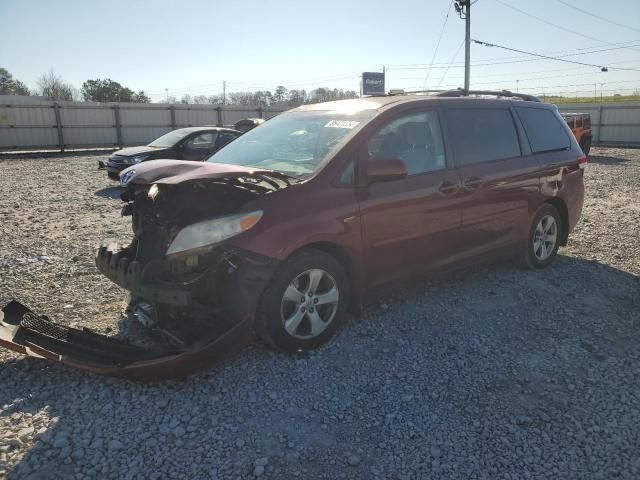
column 285, row 177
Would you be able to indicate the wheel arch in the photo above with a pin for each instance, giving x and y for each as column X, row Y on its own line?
column 562, row 209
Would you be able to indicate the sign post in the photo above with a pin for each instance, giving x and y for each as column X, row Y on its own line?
column 372, row 83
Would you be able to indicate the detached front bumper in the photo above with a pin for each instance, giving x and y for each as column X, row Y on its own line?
column 22, row 331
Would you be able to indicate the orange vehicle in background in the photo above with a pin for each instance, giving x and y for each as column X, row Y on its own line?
column 580, row 125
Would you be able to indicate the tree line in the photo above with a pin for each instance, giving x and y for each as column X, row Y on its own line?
column 54, row 87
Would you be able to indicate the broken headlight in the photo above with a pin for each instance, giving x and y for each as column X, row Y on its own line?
column 215, row 230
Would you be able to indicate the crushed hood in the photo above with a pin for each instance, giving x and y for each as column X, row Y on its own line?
column 171, row 172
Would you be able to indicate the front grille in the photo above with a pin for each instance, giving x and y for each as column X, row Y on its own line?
column 38, row 324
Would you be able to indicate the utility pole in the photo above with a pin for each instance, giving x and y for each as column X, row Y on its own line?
column 463, row 7
column 224, row 92
column 167, row 92
column 384, row 76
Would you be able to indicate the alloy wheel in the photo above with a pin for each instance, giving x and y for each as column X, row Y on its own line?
column 309, row 304
column 545, row 237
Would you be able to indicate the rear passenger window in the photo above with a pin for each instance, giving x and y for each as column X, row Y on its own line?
column 483, row 134
column 543, row 129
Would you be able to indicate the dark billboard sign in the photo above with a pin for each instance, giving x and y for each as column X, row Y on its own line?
column 373, row 83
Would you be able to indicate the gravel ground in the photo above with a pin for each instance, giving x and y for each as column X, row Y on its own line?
column 490, row 373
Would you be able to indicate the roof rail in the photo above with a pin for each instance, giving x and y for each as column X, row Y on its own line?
column 460, row 92
column 400, row 91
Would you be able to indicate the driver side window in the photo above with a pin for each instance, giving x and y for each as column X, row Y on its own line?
column 204, row 141
column 415, row 138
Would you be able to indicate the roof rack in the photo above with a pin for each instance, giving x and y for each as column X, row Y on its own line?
column 400, row 91
column 460, row 92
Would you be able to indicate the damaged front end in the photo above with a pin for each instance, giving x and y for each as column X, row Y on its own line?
column 199, row 301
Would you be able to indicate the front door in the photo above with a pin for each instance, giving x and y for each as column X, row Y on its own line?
column 409, row 225
column 199, row 146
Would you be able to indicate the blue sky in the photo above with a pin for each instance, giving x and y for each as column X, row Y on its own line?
column 191, row 46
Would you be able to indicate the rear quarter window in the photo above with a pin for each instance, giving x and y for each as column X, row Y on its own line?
column 483, row 134
column 544, row 130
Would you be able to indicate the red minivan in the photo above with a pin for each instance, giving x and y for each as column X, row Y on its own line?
column 284, row 229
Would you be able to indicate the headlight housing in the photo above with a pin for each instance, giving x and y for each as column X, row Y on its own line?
column 215, row 230
column 139, row 158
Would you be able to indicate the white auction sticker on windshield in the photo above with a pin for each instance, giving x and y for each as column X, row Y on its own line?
column 341, row 124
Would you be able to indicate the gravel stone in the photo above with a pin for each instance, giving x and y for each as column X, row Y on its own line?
column 490, row 373
column 116, row 445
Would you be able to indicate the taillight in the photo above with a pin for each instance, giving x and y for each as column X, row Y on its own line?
column 582, row 162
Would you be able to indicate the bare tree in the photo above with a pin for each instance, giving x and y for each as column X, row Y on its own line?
column 52, row 86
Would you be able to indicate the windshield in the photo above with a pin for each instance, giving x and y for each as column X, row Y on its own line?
column 169, row 139
column 294, row 143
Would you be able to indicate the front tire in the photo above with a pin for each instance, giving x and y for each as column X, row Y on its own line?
column 544, row 238
column 305, row 303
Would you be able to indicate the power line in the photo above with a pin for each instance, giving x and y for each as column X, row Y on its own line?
column 564, row 29
column 435, row 52
column 524, row 60
column 452, row 59
column 487, row 44
column 578, row 51
column 598, row 16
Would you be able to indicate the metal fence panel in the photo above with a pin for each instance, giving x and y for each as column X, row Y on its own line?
column 31, row 122
column 188, row 117
column 612, row 123
column 22, row 138
column 36, row 123
column 144, row 116
column 27, row 116
column 87, row 116
column 89, row 137
column 231, row 115
column 142, row 135
column 619, row 135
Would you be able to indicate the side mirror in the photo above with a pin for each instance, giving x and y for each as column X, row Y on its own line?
column 384, row 169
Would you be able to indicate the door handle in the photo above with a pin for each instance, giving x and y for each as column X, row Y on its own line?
column 448, row 188
column 471, row 183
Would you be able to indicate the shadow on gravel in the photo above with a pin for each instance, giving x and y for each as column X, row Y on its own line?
column 110, row 192
column 604, row 160
column 505, row 349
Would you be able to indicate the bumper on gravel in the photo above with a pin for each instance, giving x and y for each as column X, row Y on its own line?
column 24, row 332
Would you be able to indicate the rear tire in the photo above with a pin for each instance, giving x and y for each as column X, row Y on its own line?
column 544, row 238
column 305, row 303
column 586, row 145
